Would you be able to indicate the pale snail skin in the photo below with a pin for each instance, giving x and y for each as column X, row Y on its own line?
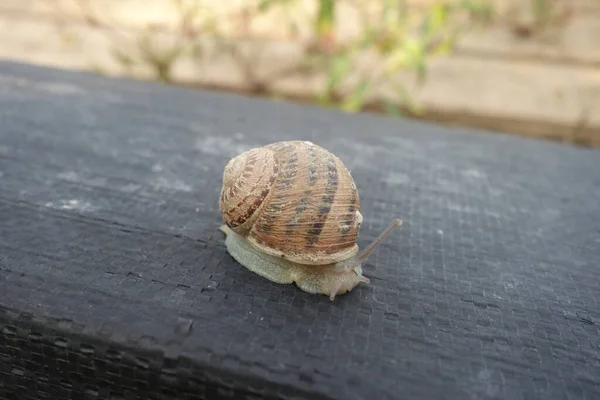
column 291, row 214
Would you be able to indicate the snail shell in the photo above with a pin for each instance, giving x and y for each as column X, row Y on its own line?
column 293, row 200
column 291, row 213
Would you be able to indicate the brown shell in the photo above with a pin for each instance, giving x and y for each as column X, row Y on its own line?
column 294, row 200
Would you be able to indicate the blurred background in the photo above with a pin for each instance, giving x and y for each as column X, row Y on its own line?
column 527, row 67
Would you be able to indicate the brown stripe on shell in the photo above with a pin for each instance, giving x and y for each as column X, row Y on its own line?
column 233, row 210
column 306, row 180
column 271, row 216
column 250, row 211
column 309, row 167
column 327, row 200
column 314, row 202
column 248, row 179
column 347, row 224
column 302, row 205
column 258, row 200
column 231, row 188
column 313, row 166
column 344, row 228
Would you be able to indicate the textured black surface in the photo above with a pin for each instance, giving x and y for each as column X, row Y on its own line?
column 114, row 279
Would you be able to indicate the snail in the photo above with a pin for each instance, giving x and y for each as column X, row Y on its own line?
column 291, row 215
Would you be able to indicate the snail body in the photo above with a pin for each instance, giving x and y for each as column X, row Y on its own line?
column 291, row 215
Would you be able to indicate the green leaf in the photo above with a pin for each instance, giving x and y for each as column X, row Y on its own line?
column 421, row 70
column 444, row 47
column 386, row 10
column 367, row 38
column 394, row 12
column 478, row 9
column 408, row 101
column 294, row 28
column 357, row 98
column 325, row 17
column 541, row 9
column 264, row 5
column 436, row 19
column 339, row 68
column 411, row 54
column 392, row 108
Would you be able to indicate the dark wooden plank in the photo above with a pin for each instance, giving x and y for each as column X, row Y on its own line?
column 114, row 277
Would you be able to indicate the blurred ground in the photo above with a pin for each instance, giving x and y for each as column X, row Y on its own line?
column 548, row 87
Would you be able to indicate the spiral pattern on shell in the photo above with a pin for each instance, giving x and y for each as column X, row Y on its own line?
column 293, row 199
